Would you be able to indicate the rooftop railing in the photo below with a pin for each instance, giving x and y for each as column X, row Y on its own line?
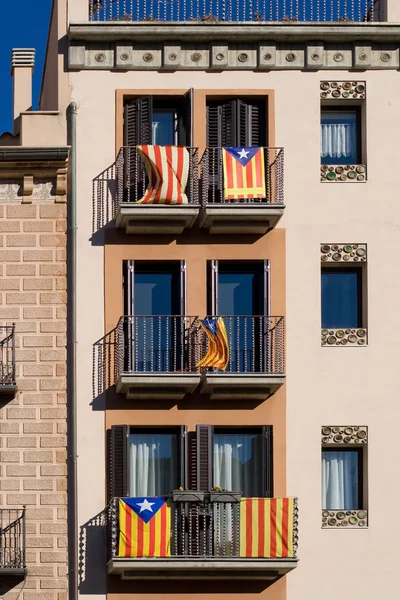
column 12, row 540
column 7, row 355
column 210, row 11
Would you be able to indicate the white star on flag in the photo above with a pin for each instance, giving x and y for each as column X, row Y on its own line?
column 145, row 505
column 243, row 153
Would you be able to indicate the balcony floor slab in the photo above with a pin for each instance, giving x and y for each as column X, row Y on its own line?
column 253, row 386
column 157, row 386
column 156, row 218
column 254, row 219
column 201, row 568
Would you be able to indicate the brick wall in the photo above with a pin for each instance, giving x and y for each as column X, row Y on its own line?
column 33, row 424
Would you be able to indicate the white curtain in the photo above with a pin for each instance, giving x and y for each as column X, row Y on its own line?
column 336, row 140
column 153, row 466
column 339, row 480
column 237, row 463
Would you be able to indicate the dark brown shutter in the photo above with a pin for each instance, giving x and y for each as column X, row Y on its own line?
column 267, row 462
column 183, row 457
column 192, row 460
column 204, row 454
column 118, row 461
column 185, row 120
column 138, row 116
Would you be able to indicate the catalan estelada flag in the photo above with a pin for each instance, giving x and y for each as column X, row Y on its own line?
column 144, row 527
column 266, row 527
column 167, row 168
column 244, row 173
column 218, row 347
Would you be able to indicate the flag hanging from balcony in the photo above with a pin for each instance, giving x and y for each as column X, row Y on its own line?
column 167, row 168
column 144, row 527
column 244, row 173
column 218, row 347
column 266, row 527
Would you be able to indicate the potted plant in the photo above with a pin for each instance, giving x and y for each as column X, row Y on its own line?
column 218, row 495
column 182, row 495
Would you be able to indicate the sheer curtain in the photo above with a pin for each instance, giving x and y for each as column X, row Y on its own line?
column 237, row 464
column 153, row 464
column 337, row 140
column 340, row 480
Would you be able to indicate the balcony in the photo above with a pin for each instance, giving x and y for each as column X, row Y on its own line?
column 256, row 368
column 156, row 217
column 317, row 11
column 8, row 386
column 12, row 543
column 157, row 356
column 241, row 216
column 208, row 541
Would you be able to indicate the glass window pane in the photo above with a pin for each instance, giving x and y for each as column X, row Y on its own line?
column 341, row 298
column 340, row 480
column 340, row 138
column 153, row 464
column 237, row 463
column 236, row 293
column 153, row 293
column 163, row 127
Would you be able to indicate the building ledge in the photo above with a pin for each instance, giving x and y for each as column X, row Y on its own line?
column 8, row 391
column 18, row 572
column 153, row 218
column 252, row 386
column 236, row 219
column 157, row 386
column 186, row 568
column 236, row 31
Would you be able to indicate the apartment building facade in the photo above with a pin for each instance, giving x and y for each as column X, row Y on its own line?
column 300, row 274
column 33, row 481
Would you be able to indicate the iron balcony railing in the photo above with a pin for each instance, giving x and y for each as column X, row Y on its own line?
column 7, row 355
column 175, row 344
column 256, row 344
column 213, row 183
column 157, row 344
column 132, row 179
column 12, row 539
column 199, row 529
column 210, row 11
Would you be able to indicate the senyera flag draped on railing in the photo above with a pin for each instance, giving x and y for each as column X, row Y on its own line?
column 167, row 169
column 319, row 11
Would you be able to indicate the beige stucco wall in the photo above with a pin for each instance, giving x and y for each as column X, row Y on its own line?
column 33, row 424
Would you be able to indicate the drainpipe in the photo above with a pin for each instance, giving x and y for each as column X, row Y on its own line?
column 71, row 363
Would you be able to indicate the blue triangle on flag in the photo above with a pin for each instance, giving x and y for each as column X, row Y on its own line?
column 145, row 507
column 243, row 155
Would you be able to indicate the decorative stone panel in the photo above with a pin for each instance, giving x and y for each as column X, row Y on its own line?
column 343, row 90
column 352, row 519
column 343, row 253
column 344, row 337
column 343, row 173
column 344, row 435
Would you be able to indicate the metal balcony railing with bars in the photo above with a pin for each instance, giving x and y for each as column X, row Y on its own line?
column 212, row 178
column 7, row 355
column 210, row 11
column 12, row 541
column 132, row 177
column 199, row 529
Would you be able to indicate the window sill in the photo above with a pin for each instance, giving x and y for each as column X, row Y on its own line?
column 352, row 519
column 343, row 173
column 344, row 337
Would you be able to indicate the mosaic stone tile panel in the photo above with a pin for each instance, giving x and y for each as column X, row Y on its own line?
column 343, row 173
column 343, row 253
column 344, row 337
column 343, row 90
column 352, row 519
column 344, row 434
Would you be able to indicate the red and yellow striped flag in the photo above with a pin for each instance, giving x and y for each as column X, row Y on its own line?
column 167, row 168
column 266, row 527
column 244, row 173
column 142, row 534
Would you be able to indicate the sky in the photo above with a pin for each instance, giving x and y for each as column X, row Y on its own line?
column 25, row 24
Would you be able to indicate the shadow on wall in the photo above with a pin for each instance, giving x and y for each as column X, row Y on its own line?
column 105, row 365
column 104, row 199
column 92, row 555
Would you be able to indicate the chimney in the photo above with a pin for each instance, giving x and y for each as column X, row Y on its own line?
column 22, row 65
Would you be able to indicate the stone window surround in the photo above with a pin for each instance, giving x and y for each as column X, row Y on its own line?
column 348, row 436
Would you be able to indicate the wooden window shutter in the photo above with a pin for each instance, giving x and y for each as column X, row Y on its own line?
column 183, row 457
column 118, row 461
column 204, row 457
column 185, row 120
column 267, row 461
column 228, row 123
column 138, row 116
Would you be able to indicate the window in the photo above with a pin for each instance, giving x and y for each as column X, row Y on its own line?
column 236, row 122
column 340, row 136
column 341, row 297
column 342, row 487
column 146, row 461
